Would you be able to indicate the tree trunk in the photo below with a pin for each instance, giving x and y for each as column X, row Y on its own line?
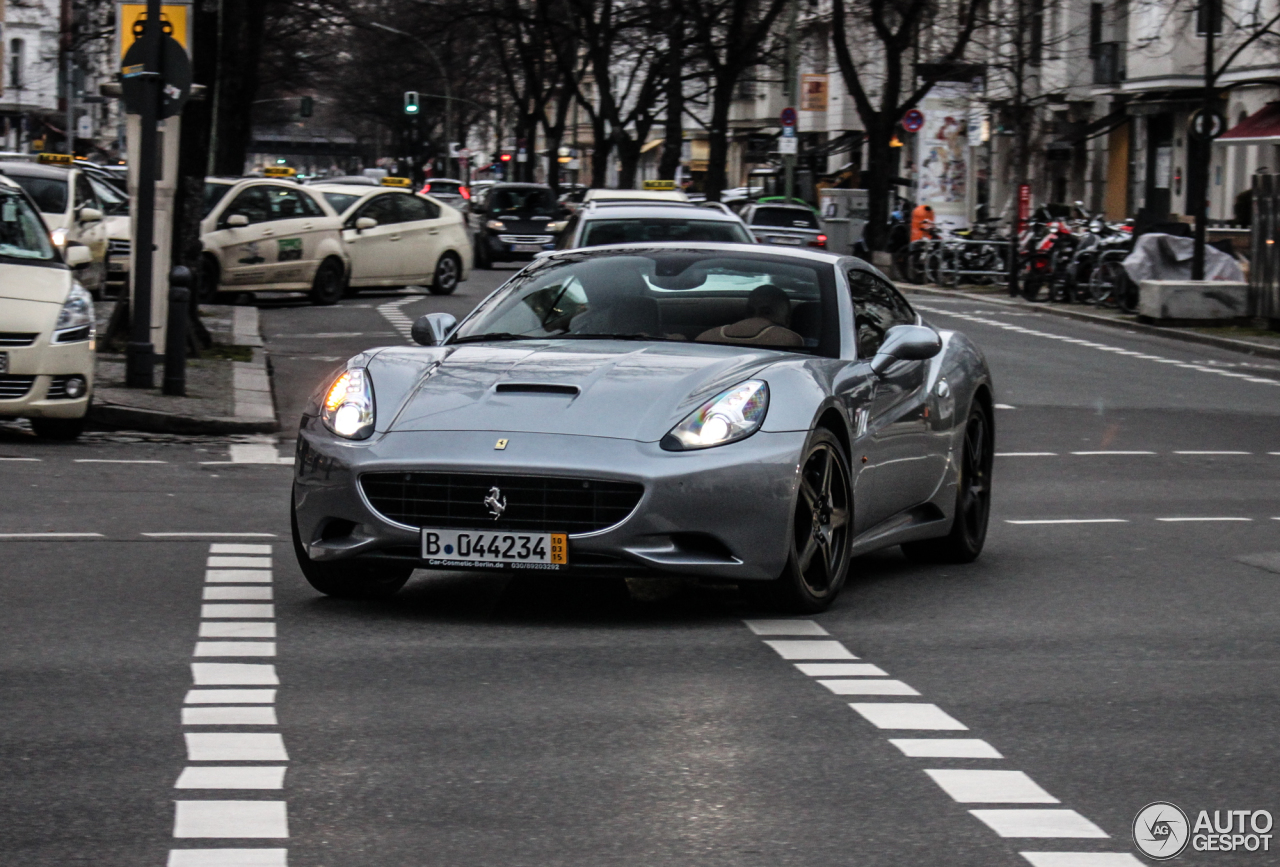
column 673, row 146
column 881, row 169
column 718, row 142
column 241, row 27
column 628, row 161
column 601, row 151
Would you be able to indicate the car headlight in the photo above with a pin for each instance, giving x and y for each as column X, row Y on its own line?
column 77, row 310
column 59, row 237
column 496, row 225
column 728, row 417
column 348, row 408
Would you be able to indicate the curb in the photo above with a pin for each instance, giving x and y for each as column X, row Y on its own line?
column 252, row 397
column 1245, row 346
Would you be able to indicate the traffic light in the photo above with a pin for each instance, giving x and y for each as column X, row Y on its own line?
column 306, row 106
column 411, row 102
column 506, row 158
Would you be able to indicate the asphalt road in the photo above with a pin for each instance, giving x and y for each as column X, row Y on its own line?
column 1110, row 651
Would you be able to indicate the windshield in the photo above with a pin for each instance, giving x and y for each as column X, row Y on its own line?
column 341, row 201
column 671, row 295
column 665, row 229
column 50, row 194
column 522, row 202
column 213, row 194
column 113, row 201
column 785, row 218
column 22, row 232
column 442, row 188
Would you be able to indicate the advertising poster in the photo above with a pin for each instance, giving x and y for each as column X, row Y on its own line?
column 942, row 159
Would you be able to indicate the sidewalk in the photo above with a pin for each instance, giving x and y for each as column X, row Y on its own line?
column 228, row 387
column 1253, row 341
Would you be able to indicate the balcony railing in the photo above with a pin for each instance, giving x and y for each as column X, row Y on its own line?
column 1108, row 62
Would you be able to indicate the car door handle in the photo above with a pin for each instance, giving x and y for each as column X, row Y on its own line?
column 307, row 227
column 266, row 232
column 393, row 237
column 433, row 231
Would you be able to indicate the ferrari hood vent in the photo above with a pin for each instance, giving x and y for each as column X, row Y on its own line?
column 536, row 388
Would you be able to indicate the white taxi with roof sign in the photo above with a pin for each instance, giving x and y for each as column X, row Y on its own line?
column 46, row 323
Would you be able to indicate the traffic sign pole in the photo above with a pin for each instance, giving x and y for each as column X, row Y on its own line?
column 140, row 353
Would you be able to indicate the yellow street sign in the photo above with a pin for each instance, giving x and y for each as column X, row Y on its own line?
column 396, row 182
column 174, row 18
column 659, row 185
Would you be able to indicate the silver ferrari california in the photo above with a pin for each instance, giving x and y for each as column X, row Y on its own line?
column 722, row 412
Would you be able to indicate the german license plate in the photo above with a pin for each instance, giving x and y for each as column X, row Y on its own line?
column 4, row 362
column 783, row 239
column 526, row 248
column 481, row 549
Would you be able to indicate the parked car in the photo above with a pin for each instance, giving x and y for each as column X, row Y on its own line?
column 397, row 238
column 784, row 224
column 119, row 226
column 513, row 223
column 599, row 223
column 46, row 345
column 70, row 208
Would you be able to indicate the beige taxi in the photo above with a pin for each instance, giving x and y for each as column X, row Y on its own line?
column 70, row 206
column 46, row 322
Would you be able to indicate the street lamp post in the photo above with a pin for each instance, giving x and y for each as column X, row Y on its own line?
column 1200, row 189
column 448, row 88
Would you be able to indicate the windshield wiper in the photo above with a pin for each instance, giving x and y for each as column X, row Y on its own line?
column 496, row 335
column 567, row 336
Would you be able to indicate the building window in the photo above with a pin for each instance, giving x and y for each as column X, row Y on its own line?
column 17, row 63
column 1035, row 50
column 1095, row 28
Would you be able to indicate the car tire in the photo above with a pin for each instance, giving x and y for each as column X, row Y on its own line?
column 348, row 580
column 964, row 541
column 329, row 283
column 448, row 273
column 816, row 569
column 64, row 429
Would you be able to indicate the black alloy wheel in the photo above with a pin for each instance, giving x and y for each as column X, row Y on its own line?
column 821, row 526
column 329, row 283
column 448, row 273
column 347, row 580
column 968, row 531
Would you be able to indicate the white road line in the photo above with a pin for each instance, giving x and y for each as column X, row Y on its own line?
column 51, row 536
column 227, row 857
column 235, row 548
column 223, row 562
column 1186, row 452
column 1004, row 406
column 232, row 611
column 235, row 648
column 785, row 627
column 1071, row 521
column 1193, row 520
column 1026, row 454
column 232, row 777
column 811, row 650
column 908, row 715
column 237, row 592
column 400, row 321
column 946, row 748
column 115, row 461
column 232, row 629
column 33, row 460
column 230, row 696
column 1113, row 452
column 1081, row 859
column 237, row 576
column 840, row 669
column 255, row 453
column 990, row 787
column 234, row 674
column 879, row 686
column 230, row 819
column 218, row 715
column 235, row 747
column 210, row 535
column 1038, row 823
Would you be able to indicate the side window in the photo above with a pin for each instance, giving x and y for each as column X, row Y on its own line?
column 877, row 307
column 413, row 209
column 286, row 204
column 85, row 197
column 565, row 241
column 381, row 208
column 309, row 206
column 252, row 203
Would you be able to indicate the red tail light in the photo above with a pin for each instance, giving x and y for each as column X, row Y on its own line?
column 466, row 192
column 820, row 241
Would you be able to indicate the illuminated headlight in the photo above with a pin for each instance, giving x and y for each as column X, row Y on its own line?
column 77, row 310
column 496, row 225
column 348, row 407
column 728, row 417
column 59, row 237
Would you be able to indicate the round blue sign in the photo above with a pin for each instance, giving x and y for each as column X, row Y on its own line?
column 913, row 120
column 788, row 116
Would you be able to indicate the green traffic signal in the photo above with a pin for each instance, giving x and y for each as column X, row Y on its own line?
column 411, row 102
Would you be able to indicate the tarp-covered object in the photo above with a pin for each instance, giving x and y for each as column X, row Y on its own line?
column 1168, row 257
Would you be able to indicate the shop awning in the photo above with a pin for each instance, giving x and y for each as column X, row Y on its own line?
column 1261, row 127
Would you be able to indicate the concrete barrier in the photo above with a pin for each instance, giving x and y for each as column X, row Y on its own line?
column 1192, row 301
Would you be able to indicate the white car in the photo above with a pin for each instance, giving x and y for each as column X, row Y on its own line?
column 46, row 323
column 268, row 235
column 398, row 238
column 70, row 208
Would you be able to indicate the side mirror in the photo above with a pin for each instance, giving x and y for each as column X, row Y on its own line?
column 236, row 221
column 432, row 329
column 906, row 343
column 77, row 256
column 90, row 215
column 365, row 223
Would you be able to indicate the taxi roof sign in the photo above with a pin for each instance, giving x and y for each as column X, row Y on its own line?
column 659, row 185
column 396, row 182
column 56, row 159
column 279, row 172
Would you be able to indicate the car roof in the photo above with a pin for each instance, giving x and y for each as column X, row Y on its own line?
column 788, row 206
column 639, row 210
column 34, row 170
column 444, row 180
column 754, row 250
column 637, row 195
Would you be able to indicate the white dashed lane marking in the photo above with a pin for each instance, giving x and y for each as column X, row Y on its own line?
column 1192, row 520
column 963, row 785
column 237, row 592
column 228, row 858
column 1114, row 452
column 232, row 629
column 231, row 819
column 225, row 562
column 230, row 696
column 219, row 715
column 235, row 648
column 231, row 777
column 235, row 747
column 234, row 674
column 233, row 610
column 237, row 548
column 393, row 312
column 1069, row 521
column 238, row 576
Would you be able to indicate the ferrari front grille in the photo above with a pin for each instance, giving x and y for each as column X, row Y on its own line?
column 14, row 387
column 533, row 504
